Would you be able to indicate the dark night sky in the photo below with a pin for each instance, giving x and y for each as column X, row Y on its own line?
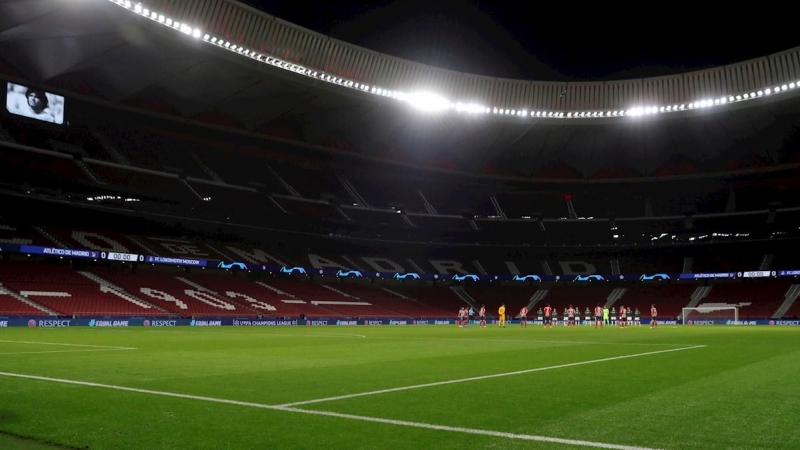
column 563, row 41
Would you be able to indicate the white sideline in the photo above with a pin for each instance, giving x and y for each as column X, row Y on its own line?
column 526, row 437
column 69, row 351
column 70, row 345
column 484, row 377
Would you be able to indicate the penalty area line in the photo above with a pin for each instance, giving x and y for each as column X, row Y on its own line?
column 404, row 423
column 483, row 377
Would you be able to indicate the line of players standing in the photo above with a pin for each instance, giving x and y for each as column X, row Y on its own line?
column 548, row 316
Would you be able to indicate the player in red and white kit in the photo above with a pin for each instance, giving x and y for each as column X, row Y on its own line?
column 623, row 317
column 482, row 316
column 598, row 315
column 523, row 317
column 571, row 316
column 548, row 316
column 461, row 317
column 653, row 316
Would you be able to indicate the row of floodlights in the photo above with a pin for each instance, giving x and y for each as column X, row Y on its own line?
column 428, row 101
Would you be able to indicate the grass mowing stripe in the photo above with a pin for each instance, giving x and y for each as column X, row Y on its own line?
column 225, row 333
column 69, row 345
column 526, row 437
column 401, row 338
column 484, row 377
column 407, row 338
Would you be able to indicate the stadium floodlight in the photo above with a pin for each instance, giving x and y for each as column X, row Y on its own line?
column 427, row 101
column 471, row 108
column 433, row 102
column 709, row 313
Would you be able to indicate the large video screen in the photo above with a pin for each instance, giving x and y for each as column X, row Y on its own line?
column 34, row 103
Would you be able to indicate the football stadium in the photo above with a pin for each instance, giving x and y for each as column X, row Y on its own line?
column 222, row 230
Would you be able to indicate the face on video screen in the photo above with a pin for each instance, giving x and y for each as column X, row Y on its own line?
column 34, row 103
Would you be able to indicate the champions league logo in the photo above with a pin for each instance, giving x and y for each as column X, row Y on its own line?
column 31, row 323
column 146, row 323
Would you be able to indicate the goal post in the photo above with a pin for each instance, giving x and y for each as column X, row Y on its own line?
column 709, row 313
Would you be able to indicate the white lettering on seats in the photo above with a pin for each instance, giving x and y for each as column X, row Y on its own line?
column 209, row 299
column 256, row 303
column 98, row 242
column 163, row 296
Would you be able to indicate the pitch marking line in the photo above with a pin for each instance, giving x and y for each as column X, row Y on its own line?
column 107, row 347
column 484, row 377
column 68, row 351
column 525, row 437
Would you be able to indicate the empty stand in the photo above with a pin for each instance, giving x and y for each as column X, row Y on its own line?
column 579, row 297
column 440, row 298
column 161, row 287
column 62, row 289
column 329, row 297
column 407, row 307
column 668, row 298
column 493, row 295
column 756, row 299
column 147, row 184
column 260, row 295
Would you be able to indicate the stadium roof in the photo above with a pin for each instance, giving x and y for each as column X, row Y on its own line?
column 222, row 62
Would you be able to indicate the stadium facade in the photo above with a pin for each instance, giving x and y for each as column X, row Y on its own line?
column 208, row 131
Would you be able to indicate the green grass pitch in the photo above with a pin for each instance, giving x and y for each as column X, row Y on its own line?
column 703, row 388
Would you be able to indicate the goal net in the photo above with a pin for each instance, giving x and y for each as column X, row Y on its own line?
column 708, row 313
